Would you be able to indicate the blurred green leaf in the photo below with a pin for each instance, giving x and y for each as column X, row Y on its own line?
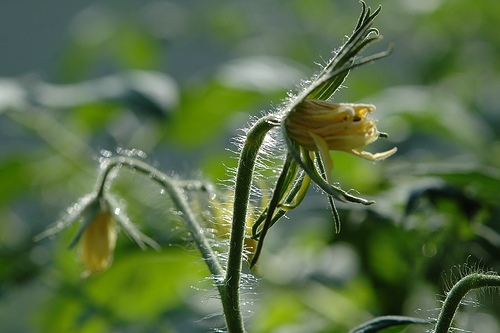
column 387, row 251
column 15, row 176
column 386, row 324
column 172, row 272
column 139, row 288
column 204, row 110
column 135, row 48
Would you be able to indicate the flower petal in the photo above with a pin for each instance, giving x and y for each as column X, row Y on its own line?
column 374, row 157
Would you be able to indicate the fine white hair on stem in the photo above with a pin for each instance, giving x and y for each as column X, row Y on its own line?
column 267, row 165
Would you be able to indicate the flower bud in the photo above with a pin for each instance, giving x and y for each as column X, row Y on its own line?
column 97, row 243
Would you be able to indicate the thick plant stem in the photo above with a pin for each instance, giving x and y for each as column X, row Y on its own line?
column 244, row 176
column 457, row 293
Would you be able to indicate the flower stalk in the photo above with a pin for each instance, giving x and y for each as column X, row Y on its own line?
column 244, row 179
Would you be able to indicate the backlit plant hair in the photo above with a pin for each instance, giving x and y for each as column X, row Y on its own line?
column 303, row 163
column 306, row 127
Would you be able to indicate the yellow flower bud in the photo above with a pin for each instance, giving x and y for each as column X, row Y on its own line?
column 98, row 243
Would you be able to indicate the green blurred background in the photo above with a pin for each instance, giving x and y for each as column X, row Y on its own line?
column 172, row 82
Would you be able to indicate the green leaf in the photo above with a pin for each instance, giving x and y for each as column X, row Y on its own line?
column 204, row 111
column 381, row 323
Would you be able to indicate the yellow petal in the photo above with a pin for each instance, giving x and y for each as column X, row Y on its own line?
column 374, row 157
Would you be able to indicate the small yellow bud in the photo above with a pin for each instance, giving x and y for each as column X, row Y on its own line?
column 98, row 243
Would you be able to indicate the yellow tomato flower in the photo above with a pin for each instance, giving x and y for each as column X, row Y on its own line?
column 97, row 243
column 322, row 126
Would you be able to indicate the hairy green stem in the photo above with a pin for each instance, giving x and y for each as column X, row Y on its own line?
column 230, row 287
column 244, row 176
column 178, row 198
column 457, row 293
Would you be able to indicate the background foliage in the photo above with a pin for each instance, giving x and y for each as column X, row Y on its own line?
column 171, row 82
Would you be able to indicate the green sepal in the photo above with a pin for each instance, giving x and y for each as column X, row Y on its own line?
column 297, row 193
column 335, row 213
column 86, row 208
column 323, row 171
column 278, row 193
column 307, row 164
column 294, row 190
column 128, row 226
column 88, row 214
column 337, row 69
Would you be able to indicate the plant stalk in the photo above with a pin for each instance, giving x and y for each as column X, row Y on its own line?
column 244, row 176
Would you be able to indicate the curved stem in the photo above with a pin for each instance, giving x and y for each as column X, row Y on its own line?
column 246, row 165
column 457, row 293
column 178, row 198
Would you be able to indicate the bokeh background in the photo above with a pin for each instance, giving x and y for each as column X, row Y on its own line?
column 172, row 82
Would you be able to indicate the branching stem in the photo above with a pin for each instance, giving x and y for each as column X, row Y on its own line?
column 176, row 192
